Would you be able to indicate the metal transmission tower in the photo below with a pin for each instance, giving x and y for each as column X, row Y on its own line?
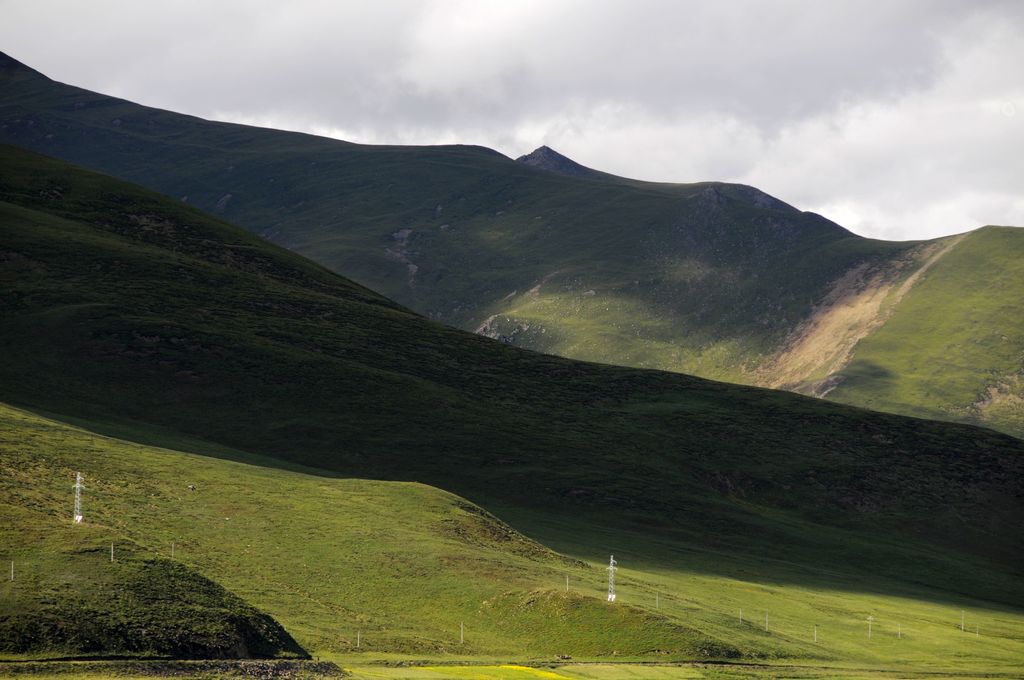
column 78, row 498
column 611, row 579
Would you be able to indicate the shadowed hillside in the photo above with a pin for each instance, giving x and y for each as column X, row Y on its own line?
column 136, row 311
column 712, row 279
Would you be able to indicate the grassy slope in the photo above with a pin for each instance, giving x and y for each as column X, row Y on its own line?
column 403, row 564
column 692, row 278
column 708, row 279
column 951, row 349
column 188, row 324
column 68, row 599
column 155, row 321
column 697, row 278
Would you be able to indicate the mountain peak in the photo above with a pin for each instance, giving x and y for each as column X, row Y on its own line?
column 546, row 158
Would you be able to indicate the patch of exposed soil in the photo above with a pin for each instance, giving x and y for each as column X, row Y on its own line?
column 859, row 303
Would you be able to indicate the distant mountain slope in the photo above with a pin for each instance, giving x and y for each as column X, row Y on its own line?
column 459, row 233
column 130, row 309
column 952, row 347
column 712, row 279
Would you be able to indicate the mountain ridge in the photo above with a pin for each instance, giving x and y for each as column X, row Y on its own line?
column 711, row 279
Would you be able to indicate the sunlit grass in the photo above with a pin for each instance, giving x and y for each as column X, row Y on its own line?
column 402, row 565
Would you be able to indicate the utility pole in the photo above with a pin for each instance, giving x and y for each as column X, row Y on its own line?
column 961, row 620
column 741, row 615
column 566, row 583
column 78, row 497
column 899, row 631
column 870, row 619
column 611, row 578
column 359, row 635
column 111, row 551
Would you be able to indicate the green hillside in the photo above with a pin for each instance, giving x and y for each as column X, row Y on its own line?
column 951, row 349
column 398, row 564
column 362, row 570
column 712, row 279
column 69, row 599
column 699, row 277
column 91, row 590
column 146, row 316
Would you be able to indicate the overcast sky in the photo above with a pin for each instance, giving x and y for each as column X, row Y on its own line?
column 898, row 120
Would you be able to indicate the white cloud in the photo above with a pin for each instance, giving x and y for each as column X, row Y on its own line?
column 898, row 120
column 936, row 161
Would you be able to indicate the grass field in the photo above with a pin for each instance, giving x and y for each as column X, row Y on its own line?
column 599, row 671
column 402, row 565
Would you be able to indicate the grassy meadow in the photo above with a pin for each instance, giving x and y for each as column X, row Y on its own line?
column 362, row 571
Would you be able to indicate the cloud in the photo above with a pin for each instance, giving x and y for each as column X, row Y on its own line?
column 932, row 162
column 895, row 119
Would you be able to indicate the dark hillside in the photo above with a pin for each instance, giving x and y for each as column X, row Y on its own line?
column 711, row 279
column 122, row 306
column 699, row 278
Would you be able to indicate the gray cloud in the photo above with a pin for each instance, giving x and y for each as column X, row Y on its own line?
column 895, row 119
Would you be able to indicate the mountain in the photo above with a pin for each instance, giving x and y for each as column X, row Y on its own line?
column 122, row 306
column 713, row 279
column 948, row 343
column 193, row 353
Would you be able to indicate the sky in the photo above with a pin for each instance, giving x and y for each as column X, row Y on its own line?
column 897, row 119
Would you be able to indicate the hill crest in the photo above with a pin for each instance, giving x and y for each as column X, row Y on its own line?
column 546, row 158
